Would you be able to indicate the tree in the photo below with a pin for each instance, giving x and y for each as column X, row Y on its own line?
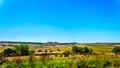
column 22, row 49
column 9, row 51
column 18, row 50
column 76, row 49
column 116, row 50
column 86, row 50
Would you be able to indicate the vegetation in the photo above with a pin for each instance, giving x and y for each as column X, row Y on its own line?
column 22, row 49
column 66, row 53
column 85, row 62
column 77, row 56
column 39, row 50
column 9, row 51
column 81, row 50
column 116, row 50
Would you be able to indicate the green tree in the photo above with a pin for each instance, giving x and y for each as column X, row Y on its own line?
column 116, row 50
column 81, row 50
column 86, row 50
column 18, row 50
column 76, row 49
column 22, row 49
column 9, row 51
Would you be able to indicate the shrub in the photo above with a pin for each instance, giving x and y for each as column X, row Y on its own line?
column 77, row 49
column 9, row 51
column 39, row 50
column 32, row 51
column 116, row 50
column 86, row 50
column 66, row 53
column 58, row 49
column 22, row 49
column 50, row 51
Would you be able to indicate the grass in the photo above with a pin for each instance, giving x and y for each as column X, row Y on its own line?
column 106, row 59
column 99, row 48
column 84, row 62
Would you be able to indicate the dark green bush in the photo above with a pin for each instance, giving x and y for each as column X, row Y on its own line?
column 116, row 50
column 66, row 53
column 9, row 51
column 22, row 49
column 81, row 50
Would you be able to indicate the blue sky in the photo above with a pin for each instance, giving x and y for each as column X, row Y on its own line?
column 60, row 20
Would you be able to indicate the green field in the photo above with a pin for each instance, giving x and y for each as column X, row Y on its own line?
column 101, row 57
column 84, row 62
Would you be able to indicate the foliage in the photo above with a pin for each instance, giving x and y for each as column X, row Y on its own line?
column 81, row 50
column 66, row 53
column 32, row 51
column 116, row 50
column 9, row 51
column 85, row 62
column 39, row 50
column 77, row 49
column 22, row 49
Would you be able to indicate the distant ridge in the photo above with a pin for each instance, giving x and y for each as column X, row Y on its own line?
column 20, row 42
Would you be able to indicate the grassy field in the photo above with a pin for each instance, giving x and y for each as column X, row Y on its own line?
column 84, row 62
column 102, row 57
column 100, row 48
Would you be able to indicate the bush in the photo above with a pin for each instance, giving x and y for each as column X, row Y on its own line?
column 77, row 49
column 116, row 50
column 39, row 50
column 66, row 53
column 32, row 51
column 58, row 49
column 22, row 49
column 9, row 51
column 86, row 50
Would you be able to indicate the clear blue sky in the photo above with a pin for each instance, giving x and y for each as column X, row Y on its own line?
column 60, row 20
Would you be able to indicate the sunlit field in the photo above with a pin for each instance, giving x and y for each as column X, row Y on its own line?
column 61, row 56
